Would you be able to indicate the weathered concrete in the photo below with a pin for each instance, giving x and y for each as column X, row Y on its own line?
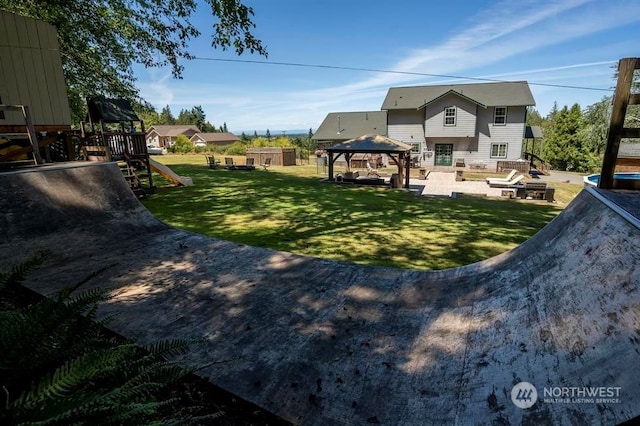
column 321, row 342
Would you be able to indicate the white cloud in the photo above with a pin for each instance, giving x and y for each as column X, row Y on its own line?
column 507, row 30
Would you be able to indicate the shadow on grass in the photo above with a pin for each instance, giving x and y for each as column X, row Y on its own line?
column 366, row 225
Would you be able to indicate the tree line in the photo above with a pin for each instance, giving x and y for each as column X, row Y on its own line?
column 194, row 116
column 575, row 137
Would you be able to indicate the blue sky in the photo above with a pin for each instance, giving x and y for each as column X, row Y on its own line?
column 558, row 42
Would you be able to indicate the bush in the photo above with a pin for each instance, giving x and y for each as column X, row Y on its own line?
column 238, row 148
column 182, row 145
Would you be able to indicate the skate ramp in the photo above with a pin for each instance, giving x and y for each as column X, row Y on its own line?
column 323, row 342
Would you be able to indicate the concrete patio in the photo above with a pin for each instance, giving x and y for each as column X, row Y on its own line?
column 445, row 184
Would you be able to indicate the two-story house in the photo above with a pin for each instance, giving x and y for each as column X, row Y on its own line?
column 479, row 123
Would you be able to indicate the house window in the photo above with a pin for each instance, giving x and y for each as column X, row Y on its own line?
column 450, row 116
column 499, row 150
column 415, row 147
column 500, row 116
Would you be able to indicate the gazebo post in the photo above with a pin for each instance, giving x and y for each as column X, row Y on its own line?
column 407, row 160
column 331, row 160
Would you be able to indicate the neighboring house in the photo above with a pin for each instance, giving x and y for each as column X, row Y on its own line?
column 479, row 123
column 165, row 136
column 214, row 139
column 341, row 126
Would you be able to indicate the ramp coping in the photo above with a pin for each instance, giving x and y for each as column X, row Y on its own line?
column 632, row 219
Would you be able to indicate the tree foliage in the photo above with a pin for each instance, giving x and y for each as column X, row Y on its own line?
column 565, row 148
column 100, row 40
column 182, row 145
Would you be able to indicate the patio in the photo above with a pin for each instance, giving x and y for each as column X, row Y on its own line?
column 445, row 184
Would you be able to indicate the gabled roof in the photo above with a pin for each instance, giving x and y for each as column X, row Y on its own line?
column 516, row 93
column 111, row 110
column 216, row 137
column 166, row 130
column 371, row 143
column 348, row 125
column 452, row 92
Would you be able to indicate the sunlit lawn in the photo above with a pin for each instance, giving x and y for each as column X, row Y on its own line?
column 289, row 209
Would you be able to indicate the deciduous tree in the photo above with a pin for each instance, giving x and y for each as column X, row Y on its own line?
column 100, row 40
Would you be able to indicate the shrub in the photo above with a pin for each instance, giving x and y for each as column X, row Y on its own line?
column 182, row 145
column 237, row 148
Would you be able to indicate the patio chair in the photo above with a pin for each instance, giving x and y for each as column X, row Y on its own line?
column 212, row 162
column 512, row 183
column 228, row 163
column 510, row 176
column 266, row 164
column 249, row 164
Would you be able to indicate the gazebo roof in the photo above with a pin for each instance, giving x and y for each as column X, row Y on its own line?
column 371, row 143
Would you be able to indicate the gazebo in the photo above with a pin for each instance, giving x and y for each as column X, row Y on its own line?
column 398, row 152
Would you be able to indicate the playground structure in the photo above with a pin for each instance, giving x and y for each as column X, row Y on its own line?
column 112, row 129
column 35, row 118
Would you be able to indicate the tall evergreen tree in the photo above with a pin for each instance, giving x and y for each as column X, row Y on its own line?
column 563, row 147
column 268, row 135
column 166, row 117
column 184, row 117
column 198, row 117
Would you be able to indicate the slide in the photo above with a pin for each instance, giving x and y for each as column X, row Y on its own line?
column 169, row 174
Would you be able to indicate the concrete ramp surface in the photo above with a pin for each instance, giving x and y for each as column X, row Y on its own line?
column 322, row 342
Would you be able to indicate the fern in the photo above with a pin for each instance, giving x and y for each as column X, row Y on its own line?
column 58, row 367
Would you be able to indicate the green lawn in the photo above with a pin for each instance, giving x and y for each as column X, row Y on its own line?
column 289, row 209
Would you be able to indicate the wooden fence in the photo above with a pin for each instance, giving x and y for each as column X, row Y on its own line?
column 279, row 156
column 521, row 166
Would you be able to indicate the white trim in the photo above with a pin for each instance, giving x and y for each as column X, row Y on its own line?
column 499, row 144
column 455, row 116
column 495, row 115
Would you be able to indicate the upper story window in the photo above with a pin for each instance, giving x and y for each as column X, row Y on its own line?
column 415, row 147
column 500, row 116
column 450, row 116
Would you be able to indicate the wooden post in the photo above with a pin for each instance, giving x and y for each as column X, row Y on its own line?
column 407, row 166
column 330, row 166
column 626, row 68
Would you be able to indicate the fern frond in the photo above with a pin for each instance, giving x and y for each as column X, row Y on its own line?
column 20, row 272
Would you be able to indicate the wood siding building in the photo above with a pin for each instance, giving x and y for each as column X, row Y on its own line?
column 31, row 74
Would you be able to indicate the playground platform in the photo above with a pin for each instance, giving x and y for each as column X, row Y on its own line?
column 323, row 342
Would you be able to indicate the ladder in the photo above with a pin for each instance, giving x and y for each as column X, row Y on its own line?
column 31, row 132
column 621, row 99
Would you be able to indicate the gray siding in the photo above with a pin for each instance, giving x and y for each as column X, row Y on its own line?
column 465, row 118
column 511, row 133
column 31, row 71
column 406, row 125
